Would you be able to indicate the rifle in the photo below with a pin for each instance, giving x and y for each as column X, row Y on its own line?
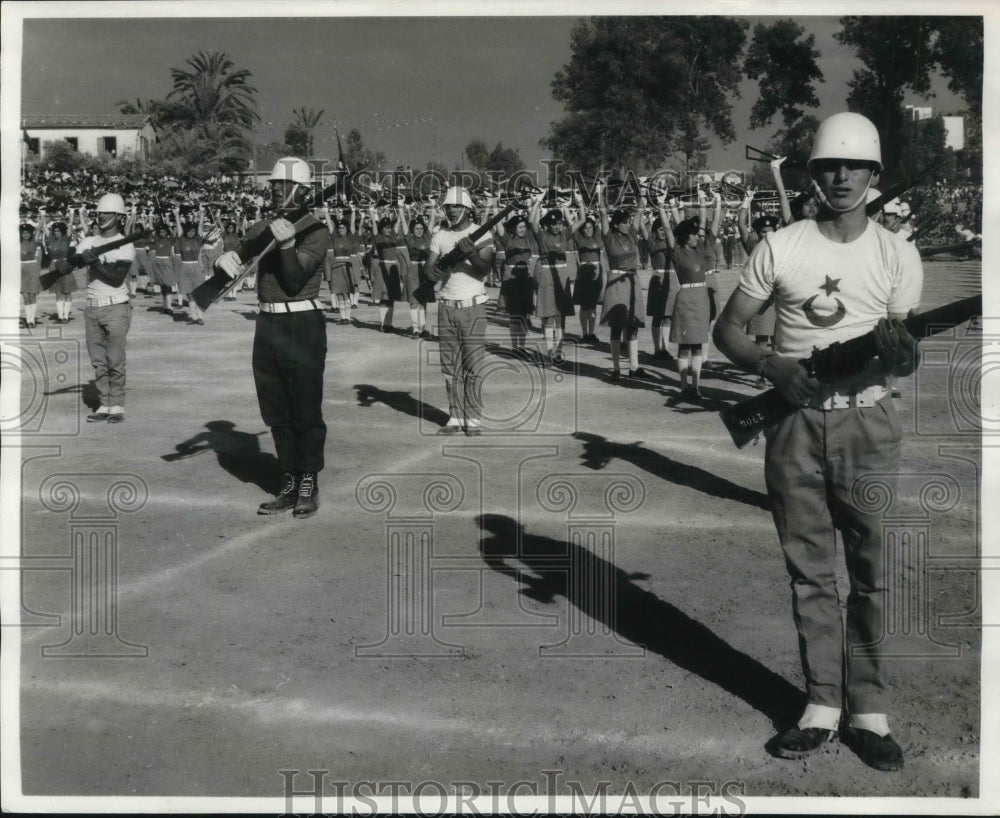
column 898, row 189
column 442, row 269
column 251, row 252
column 75, row 261
column 747, row 419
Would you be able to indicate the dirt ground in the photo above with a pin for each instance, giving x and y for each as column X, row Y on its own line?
column 592, row 592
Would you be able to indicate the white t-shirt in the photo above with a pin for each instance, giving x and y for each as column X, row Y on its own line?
column 460, row 284
column 826, row 291
column 95, row 287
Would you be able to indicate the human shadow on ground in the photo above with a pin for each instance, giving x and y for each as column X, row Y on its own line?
column 238, row 453
column 369, row 394
column 88, row 394
column 598, row 451
column 552, row 568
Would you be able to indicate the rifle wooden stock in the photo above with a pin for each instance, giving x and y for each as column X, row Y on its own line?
column 75, row 261
column 747, row 419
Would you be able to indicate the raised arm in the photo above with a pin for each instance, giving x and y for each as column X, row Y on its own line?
column 786, row 208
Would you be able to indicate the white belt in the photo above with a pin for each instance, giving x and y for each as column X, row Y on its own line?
column 622, row 272
column 341, row 258
column 288, row 306
column 868, row 396
column 107, row 301
column 692, row 286
column 461, row 304
column 658, row 270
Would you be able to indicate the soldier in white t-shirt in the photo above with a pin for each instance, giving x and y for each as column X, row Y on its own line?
column 832, row 279
column 462, row 313
column 108, row 312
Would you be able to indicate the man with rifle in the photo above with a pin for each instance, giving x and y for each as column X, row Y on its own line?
column 832, row 279
column 108, row 311
column 461, row 309
column 289, row 346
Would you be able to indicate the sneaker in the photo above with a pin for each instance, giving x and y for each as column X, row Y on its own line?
column 879, row 752
column 285, row 499
column 308, row 500
column 796, row 743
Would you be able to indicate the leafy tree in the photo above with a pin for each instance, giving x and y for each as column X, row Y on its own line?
column 504, row 161
column 898, row 56
column 478, row 154
column 924, row 147
column 306, row 120
column 357, row 156
column 785, row 65
column 297, row 140
column 959, row 51
column 150, row 107
column 211, row 93
column 59, row 155
column 630, row 79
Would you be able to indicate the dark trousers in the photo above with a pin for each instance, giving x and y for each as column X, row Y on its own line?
column 289, row 355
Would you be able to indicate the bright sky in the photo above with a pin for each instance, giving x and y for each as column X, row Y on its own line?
column 417, row 88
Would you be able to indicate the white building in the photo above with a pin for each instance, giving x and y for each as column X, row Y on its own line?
column 116, row 135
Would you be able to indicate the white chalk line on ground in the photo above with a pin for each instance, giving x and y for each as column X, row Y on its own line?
column 318, row 714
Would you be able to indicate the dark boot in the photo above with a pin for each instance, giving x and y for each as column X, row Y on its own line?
column 308, row 497
column 285, row 499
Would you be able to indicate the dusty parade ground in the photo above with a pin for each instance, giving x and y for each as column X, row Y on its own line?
column 591, row 592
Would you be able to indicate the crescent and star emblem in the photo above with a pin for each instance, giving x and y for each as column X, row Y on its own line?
column 829, row 287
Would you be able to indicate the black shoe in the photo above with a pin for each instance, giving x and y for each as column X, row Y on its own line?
column 639, row 374
column 615, row 377
column 285, row 500
column 879, row 752
column 796, row 743
column 473, row 431
column 449, row 430
column 97, row 416
column 116, row 417
column 307, row 503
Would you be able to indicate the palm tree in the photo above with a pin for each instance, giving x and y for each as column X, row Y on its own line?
column 150, row 108
column 307, row 119
column 211, row 96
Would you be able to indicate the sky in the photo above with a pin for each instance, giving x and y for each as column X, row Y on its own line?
column 419, row 89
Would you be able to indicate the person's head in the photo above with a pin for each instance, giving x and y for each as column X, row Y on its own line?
column 765, row 224
column 291, row 185
column 385, row 225
column 517, row 226
column 231, row 227
column 59, row 230
column 190, row 230
column 620, row 220
column 686, row 233
column 27, row 232
column 588, row 228
column 110, row 213
column 457, row 205
column 417, row 228
column 552, row 221
column 804, row 206
column 341, row 226
column 658, row 229
column 845, row 161
column 162, row 231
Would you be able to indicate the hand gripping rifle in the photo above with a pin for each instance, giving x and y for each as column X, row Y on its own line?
column 75, row 261
column 250, row 251
column 747, row 419
column 442, row 269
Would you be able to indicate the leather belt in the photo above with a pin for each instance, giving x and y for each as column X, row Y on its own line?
column 107, row 301
column 465, row 303
column 868, row 396
column 288, row 306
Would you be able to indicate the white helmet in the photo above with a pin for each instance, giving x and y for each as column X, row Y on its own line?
column 291, row 169
column 457, row 196
column 111, row 203
column 847, row 136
